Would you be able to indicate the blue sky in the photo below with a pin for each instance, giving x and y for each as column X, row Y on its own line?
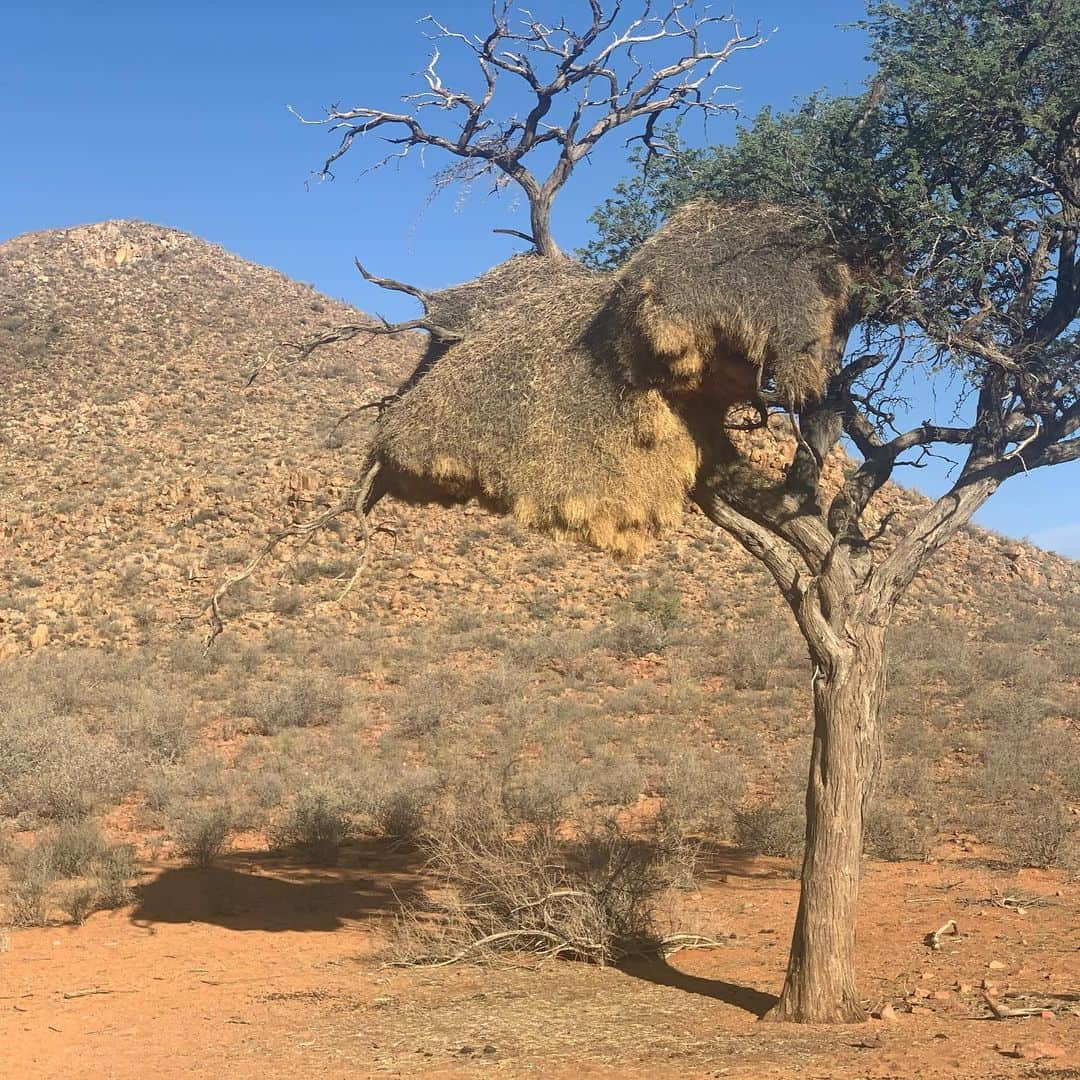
column 176, row 114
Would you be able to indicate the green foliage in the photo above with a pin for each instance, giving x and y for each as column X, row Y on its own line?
column 953, row 179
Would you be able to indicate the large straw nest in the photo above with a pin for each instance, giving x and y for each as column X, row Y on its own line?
column 724, row 299
column 579, row 401
column 524, row 416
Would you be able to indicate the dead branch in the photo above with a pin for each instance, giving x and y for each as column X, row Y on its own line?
column 597, row 73
column 353, row 501
column 348, row 331
column 1003, row 1012
column 933, row 939
column 675, row 943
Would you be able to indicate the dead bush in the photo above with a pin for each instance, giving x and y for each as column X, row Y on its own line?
column 593, row 898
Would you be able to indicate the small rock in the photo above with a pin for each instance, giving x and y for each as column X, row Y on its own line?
column 996, row 965
column 1037, row 1051
column 942, row 995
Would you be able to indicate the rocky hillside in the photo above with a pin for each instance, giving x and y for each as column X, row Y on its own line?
column 137, row 469
column 135, row 465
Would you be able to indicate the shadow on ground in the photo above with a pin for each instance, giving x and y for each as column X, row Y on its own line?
column 661, row 973
column 256, row 891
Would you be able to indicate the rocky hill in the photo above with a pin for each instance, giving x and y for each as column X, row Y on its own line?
column 134, row 463
column 137, row 468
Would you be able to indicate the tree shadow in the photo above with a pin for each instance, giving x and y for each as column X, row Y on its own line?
column 263, row 892
column 726, row 860
column 661, row 973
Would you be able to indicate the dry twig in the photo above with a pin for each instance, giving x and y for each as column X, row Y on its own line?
column 1003, row 1012
column 933, row 939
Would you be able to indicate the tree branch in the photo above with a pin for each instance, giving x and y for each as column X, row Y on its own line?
column 557, row 64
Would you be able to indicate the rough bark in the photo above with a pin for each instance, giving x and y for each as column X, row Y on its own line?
column 820, row 985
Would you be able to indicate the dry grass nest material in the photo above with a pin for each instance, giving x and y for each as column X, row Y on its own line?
column 579, row 402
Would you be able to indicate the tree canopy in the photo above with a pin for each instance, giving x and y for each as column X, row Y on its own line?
column 956, row 175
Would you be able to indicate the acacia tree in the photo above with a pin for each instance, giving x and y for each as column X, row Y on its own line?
column 956, row 175
column 952, row 184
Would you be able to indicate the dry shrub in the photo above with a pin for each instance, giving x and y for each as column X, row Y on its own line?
column 307, row 701
column 594, row 897
column 1039, row 832
column 318, row 824
column 52, row 767
column 634, row 635
column 893, row 831
column 900, row 821
column 75, row 847
column 30, row 888
column 399, row 805
column 540, row 792
column 201, row 831
column 113, row 872
column 752, row 656
column 701, row 793
column 79, row 901
column 772, row 827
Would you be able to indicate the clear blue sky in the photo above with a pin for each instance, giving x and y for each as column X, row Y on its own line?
column 175, row 113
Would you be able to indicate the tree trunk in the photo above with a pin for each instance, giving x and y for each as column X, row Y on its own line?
column 540, row 218
column 820, row 985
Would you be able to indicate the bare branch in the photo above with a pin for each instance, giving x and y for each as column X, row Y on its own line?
column 596, row 85
column 358, row 500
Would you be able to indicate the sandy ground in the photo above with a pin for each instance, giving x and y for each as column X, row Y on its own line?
column 260, row 968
